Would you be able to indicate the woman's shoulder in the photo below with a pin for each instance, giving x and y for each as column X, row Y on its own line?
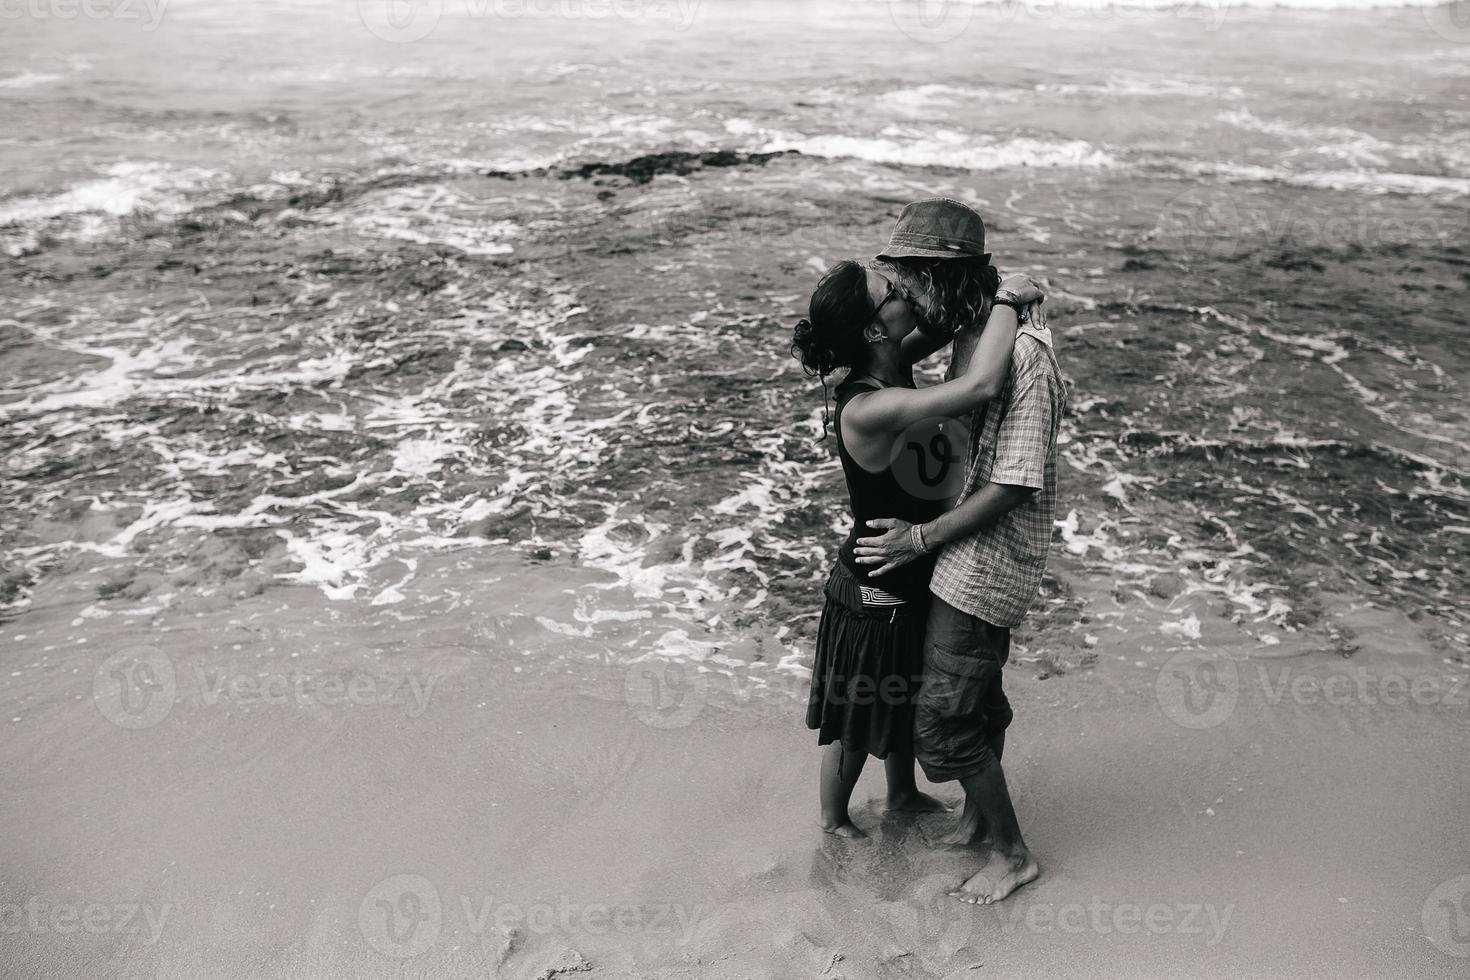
column 853, row 388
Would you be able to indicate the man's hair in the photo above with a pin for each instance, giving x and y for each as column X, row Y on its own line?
column 958, row 288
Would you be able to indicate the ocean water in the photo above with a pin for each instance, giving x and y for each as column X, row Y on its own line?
column 198, row 97
column 347, row 294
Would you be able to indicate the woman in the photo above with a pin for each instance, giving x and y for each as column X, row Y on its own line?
column 867, row 320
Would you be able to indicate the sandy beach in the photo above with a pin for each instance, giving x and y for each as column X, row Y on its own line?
column 413, row 519
column 333, row 791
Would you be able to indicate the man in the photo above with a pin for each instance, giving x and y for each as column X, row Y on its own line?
column 994, row 545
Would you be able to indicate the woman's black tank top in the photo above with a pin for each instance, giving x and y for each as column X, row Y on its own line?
column 881, row 494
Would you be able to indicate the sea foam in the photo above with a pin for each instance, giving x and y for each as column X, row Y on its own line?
column 126, row 188
column 949, row 148
column 28, row 79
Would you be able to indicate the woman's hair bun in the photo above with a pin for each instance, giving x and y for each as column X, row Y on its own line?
column 816, row 356
column 830, row 336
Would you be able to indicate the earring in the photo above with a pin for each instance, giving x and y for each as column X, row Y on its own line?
column 879, row 339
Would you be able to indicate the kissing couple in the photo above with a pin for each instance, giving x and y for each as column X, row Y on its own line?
column 952, row 490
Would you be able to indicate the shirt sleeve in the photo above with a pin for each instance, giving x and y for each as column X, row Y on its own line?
column 1029, row 428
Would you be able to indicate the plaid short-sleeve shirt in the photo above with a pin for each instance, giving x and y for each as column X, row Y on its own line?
column 995, row 572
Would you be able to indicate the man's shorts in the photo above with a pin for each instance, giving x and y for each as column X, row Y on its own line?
column 961, row 706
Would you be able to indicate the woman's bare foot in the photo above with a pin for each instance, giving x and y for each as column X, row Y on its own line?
column 842, row 828
column 912, row 801
column 1000, row 876
column 968, row 832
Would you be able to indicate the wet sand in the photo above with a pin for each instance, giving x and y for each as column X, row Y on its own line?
column 447, row 813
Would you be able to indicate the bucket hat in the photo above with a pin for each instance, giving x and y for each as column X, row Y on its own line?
column 937, row 228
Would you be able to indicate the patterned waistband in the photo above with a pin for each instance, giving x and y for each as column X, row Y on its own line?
column 862, row 599
column 874, row 596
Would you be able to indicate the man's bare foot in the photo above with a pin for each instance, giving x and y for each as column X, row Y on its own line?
column 1000, row 876
column 912, row 801
column 842, row 828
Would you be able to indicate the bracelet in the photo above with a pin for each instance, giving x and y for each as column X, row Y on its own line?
column 1022, row 316
column 916, row 539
